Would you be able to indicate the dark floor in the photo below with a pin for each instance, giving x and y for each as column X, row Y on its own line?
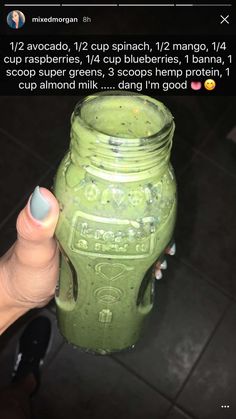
column 185, row 365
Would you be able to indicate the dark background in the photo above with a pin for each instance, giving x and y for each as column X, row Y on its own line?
column 184, row 366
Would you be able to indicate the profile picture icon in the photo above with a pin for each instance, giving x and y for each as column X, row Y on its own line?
column 16, row 19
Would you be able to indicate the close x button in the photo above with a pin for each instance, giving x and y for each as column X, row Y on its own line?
column 224, row 19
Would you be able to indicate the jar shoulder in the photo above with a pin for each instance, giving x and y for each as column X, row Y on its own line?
column 78, row 190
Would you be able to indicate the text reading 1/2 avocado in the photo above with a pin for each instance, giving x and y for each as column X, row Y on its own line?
column 145, row 66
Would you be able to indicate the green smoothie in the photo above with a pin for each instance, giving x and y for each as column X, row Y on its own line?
column 117, row 195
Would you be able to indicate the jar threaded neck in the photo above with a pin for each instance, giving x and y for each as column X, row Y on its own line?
column 121, row 133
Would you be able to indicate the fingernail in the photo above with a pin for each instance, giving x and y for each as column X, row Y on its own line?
column 172, row 250
column 158, row 274
column 164, row 264
column 39, row 206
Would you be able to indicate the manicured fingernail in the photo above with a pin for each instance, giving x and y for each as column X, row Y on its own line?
column 164, row 264
column 39, row 206
column 172, row 250
column 158, row 274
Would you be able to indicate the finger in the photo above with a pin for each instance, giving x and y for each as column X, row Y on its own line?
column 163, row 264
column 36, row 225
column 158, row 274
column 171, row 250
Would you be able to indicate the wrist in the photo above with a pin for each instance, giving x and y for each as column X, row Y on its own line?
column 10, row 308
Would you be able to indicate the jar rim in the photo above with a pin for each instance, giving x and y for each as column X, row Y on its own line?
column 167, row 125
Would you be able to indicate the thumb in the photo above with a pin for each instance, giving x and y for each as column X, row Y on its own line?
column 35, row 225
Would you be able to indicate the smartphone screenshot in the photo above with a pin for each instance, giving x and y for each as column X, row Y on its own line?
column 117, row 209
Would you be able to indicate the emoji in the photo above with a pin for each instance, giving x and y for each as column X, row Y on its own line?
column 210, row 84
column 196, row 85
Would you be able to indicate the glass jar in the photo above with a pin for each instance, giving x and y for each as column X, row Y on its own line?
column 117, row 195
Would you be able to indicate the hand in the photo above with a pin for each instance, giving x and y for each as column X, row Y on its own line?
column 29, row 270
column 162, row 265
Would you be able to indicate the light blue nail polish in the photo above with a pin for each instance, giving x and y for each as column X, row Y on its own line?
column 164, row 264
column 158, row 274
column 39, row 206
column 173, row 249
